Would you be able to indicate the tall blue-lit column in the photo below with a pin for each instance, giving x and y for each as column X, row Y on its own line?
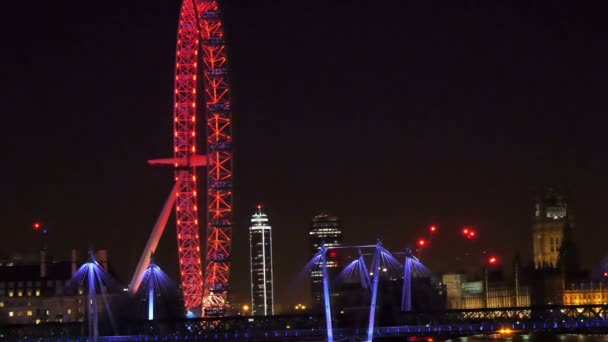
column 406, row 296
column 92, row 303
column 150, row 300
column 372, row 307
column 327, row 299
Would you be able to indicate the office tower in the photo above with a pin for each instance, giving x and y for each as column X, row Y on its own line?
column 325, row 230
column 260, row 254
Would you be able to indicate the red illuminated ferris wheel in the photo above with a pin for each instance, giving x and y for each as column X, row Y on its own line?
column 201, row 52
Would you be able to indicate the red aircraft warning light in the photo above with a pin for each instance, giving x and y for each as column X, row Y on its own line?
column 605, row 274
column 433, row 229
column 492, row 260
column 37, row 225
column 421, row 242
column 469, row 233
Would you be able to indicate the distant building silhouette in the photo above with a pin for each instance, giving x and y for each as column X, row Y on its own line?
column 325, row 230
column 260, row 247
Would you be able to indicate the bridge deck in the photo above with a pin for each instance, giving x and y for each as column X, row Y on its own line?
column 556, row 319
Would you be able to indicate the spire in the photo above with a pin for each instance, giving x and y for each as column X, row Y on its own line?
column 259, row 218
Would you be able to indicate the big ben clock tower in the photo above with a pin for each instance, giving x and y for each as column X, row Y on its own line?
column 552, row 221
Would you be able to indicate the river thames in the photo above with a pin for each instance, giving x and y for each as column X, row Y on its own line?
column 537, row 337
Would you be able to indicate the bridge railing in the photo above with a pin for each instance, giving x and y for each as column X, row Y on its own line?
column 544, row 313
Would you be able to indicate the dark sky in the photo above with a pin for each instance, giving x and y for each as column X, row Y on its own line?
column 390, row 114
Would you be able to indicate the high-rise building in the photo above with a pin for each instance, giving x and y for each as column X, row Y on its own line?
column 325, row 230
column 260, row 256
column 550, row 230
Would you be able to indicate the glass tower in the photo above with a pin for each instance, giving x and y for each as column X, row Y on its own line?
column 260, row 256
column 325, row 230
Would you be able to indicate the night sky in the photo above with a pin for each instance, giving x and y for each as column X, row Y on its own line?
column 390, row 114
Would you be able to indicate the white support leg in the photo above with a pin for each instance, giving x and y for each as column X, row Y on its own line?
column 157, row 232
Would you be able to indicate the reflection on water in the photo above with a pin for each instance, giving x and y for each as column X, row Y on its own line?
column 536, row 337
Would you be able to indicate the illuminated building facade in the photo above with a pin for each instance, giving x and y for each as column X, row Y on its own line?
column 33, row 290
column 552, row 222
column 586, row 294
column 464, row 294
column 260, row 256
column 325, row 230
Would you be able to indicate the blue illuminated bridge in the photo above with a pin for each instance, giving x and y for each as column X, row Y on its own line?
column 449, row 323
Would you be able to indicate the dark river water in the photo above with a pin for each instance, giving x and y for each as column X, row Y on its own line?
column 537, row 337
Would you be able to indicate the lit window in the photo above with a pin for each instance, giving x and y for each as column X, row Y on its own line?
column 11, row 314
column 37, row 293
column 1, row 304
column 29, row 312
column 20, row 293
column 69, row 311
column 11, row 293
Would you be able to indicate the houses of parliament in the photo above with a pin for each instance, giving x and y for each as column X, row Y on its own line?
column 553, row 277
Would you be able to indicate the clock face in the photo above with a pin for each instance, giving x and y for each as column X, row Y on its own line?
column 556, row 212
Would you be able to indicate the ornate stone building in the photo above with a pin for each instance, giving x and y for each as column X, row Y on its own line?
column 551, row 222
